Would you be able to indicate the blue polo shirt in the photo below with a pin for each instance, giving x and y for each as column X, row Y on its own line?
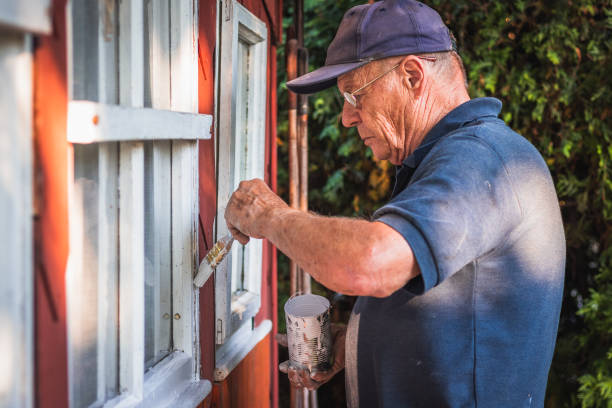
column 477, row 205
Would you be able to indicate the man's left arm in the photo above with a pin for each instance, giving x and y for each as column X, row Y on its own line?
column 351, row 256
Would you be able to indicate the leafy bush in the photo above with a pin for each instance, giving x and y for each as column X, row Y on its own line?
column 550, row 62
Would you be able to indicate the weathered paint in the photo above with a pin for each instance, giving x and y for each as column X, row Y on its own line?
column 207, row 179
column 51, row 201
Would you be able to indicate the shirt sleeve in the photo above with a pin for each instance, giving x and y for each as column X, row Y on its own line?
column 458, row 206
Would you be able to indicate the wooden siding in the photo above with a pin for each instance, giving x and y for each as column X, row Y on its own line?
column 245, row 387
column 51, row 202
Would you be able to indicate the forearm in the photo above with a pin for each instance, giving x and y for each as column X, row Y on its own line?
column 351, row 256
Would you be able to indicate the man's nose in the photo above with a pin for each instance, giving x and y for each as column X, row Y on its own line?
column 350, row 115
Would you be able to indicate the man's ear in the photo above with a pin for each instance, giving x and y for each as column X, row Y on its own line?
column 413, row 72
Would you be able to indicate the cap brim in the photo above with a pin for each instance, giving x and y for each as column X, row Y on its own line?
column 321, row 78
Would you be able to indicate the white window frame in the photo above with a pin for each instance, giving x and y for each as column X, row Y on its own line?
column 174, row 381
column 18, row 21
column 16, row 211
column 235, row 334
column 30, row 16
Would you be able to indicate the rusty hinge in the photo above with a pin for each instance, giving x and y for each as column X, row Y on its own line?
column 227, row 9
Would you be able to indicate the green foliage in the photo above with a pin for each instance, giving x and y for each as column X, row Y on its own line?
column 550, row 62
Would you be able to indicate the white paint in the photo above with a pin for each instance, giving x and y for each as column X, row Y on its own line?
column 92, row 122
column 32, row 16
column 16, row 290
column 131, row 269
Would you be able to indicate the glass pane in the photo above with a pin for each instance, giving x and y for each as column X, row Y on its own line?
column 158, row 271
column 242, row 143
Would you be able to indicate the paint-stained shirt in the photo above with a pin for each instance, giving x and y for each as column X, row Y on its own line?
column 477, row 205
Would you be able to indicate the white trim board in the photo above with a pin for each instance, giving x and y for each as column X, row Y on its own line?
column 16, row 210
column 93, row 122
column 31, row 16
column 238, row 346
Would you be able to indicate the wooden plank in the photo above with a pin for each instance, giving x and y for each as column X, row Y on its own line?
column 184, row 55
column 131, row 203
column 16, row 292
column 184, row 245
column 26, row 15
column 92, row 122
column 184, row 98
column 207, row 12
column 226, row 88
column 108, row 209
column 108, row 268
column 131, row 266
column 52, row 171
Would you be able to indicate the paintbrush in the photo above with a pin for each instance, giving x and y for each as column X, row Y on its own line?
column 212, row 259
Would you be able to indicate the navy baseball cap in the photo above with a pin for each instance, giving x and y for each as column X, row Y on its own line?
column 374, row 31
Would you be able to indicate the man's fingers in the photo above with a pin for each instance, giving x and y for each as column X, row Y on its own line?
column 320, row 376
column 284, row 366
column 295, row 378
column 239, row 236
column 281, row 339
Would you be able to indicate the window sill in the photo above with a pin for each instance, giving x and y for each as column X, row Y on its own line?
column 237, row 348
column 170, row 383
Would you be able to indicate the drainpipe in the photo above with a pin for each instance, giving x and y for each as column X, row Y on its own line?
column 291, row 52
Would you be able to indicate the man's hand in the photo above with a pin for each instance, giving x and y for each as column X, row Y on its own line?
column 302, row 377
column 249, row 209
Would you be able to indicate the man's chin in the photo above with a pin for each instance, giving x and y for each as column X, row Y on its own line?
column 380, row 155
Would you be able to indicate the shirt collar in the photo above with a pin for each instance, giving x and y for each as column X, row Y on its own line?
column 467, row 112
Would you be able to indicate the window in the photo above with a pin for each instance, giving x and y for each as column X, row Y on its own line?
column 16, row 208
column 241, row 156
column 132, row 306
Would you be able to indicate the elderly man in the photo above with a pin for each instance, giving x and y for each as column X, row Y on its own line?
column 460, row 274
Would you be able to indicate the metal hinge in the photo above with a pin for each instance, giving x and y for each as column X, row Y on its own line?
column 219, row 333
column 227, row 9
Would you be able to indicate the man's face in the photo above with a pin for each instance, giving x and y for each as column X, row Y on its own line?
column 380, row 114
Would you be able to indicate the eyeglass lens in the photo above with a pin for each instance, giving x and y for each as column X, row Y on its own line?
column 350, row 98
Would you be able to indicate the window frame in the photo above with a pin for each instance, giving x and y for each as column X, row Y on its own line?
column 118, row 116
column 29, row 16
column 235, row 334
column 16, row 251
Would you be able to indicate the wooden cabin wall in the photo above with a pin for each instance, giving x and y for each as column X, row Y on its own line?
column 246, row 386
column 51, row 206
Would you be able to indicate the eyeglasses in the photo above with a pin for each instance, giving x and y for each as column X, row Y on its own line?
column 350, row 96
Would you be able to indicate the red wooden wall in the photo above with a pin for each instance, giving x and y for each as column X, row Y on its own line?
column 51, row 203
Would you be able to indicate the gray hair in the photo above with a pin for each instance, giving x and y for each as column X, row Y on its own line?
column 447, row 64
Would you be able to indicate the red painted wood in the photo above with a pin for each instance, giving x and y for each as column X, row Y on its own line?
column 51, row 227
column 207, row 187
column 246, row 387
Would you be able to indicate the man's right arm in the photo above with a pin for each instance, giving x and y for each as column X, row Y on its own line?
column 351, row 256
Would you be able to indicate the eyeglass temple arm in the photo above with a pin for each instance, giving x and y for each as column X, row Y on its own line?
column 379, row 76
column 425, row 57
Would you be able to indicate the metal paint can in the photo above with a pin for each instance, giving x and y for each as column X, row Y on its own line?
column 308, row 332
